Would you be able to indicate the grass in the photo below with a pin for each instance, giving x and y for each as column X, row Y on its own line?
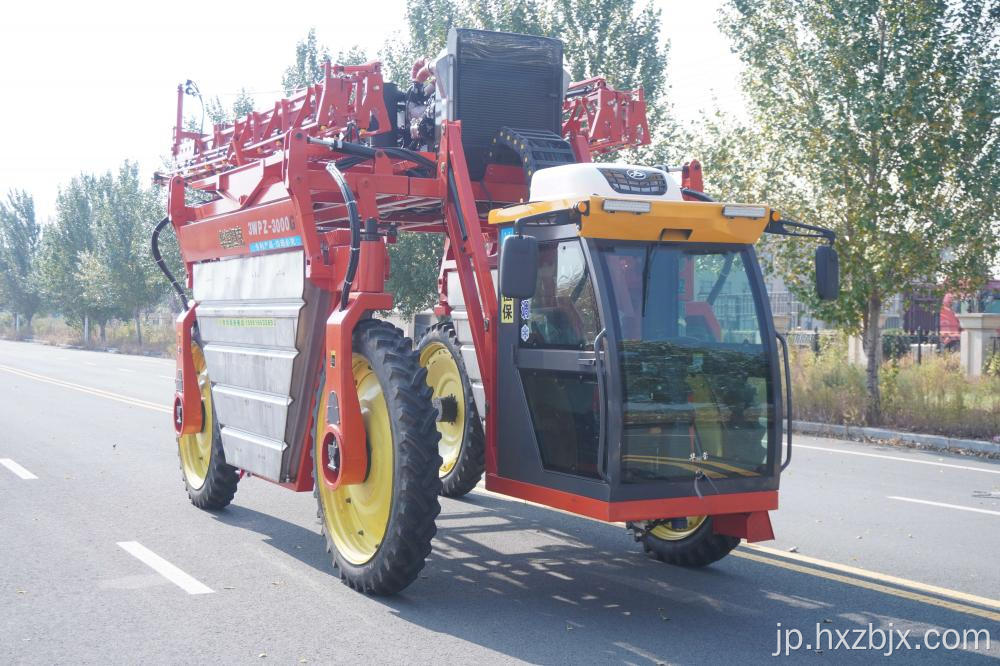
column 931, row 397
column 157, row 337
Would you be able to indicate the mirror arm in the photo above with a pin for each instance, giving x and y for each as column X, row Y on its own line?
column 788, row 227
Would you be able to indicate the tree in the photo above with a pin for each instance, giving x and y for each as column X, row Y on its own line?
column 20, row 241
column 885, row 116
column 220, row 115
column 308, row 66
column 69, row 236
column 119, row 272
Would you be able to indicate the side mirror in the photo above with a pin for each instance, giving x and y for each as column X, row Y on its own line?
column 518, row 266
column 827, row 273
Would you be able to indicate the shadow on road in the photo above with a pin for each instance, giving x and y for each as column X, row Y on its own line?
column 547, row 587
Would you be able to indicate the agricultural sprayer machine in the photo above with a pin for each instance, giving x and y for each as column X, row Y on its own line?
column 604, row 342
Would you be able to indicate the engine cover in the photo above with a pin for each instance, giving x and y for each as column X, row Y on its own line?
column 614, row 181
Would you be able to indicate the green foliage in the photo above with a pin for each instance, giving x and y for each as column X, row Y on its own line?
column 118, row 274
column 20, row 243
column 933, row 396
column 895, row 344
column 883, row 115
column 827, row 390
column 415, row 259
column 992, row 365
column 308, row 66
column 219, row 114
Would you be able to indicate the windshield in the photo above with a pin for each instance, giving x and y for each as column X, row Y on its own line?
column 695, row 373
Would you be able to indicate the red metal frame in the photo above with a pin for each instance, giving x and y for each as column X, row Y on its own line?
column 262, row 180
column 609, row 119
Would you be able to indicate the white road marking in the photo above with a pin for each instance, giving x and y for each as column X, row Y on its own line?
column 89, row 363
column 126, row 370
column 164, row 376
column 164, row 568
column 17, row 469
column 898, row 458
column 946, row 506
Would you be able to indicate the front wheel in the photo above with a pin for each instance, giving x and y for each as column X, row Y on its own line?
column 379, row 531
column 687, row 542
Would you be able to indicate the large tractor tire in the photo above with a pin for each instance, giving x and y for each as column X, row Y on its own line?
column 209, row 481
column 686, row 542
column 463, row 444
column 379, row 531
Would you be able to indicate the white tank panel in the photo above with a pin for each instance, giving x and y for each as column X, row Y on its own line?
column 577, row 181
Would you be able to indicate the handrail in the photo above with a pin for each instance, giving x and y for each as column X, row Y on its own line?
column 788, row 397
column 602, row 399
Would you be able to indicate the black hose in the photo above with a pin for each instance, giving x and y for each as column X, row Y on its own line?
column 369, row 153
column 352, row 213
column 155, row 246
column 695, row 194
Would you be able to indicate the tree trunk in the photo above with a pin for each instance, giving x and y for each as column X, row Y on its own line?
column 138, row 329
column 28, row 333
column 104, row 333
column 873, row 350
column 86, row 331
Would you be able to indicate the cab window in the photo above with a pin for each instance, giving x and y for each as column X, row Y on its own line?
column 563, row 312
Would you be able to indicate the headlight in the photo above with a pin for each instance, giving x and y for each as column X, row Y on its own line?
column 625, row 206
column 752, row 212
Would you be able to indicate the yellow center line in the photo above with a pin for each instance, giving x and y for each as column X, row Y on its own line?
column 886, row 578
column 135, row 402
column 868, row 585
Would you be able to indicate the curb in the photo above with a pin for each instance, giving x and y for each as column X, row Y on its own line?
column 911, row 438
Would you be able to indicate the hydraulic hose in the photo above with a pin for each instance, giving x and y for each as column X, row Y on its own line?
column 355, row 216
column 155, row 247
column 359, row 153
column 368, row 153
column 695, row 194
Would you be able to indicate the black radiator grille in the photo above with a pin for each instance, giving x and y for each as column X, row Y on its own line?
column 636, row 181
column 504, row 79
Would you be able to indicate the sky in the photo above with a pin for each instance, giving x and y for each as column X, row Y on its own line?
column 88, row 85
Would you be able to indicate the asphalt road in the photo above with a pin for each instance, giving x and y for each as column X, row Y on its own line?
column 898, row 539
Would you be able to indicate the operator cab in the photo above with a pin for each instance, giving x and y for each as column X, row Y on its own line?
column 643, row 363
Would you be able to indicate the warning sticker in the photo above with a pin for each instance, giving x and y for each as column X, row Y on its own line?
column 507, row 310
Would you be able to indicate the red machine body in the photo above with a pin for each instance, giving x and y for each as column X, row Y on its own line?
column 263, row 180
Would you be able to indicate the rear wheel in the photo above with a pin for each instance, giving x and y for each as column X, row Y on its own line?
column 463, row 444
column 209, row 481
column 687, row 542
column 379, row 531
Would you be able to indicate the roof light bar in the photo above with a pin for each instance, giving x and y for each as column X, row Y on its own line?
column 626, row 206
column 739, row 210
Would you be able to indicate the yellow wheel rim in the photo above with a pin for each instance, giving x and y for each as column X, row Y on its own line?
column 446, row 383
column 357, row 516
column 667, row 533
column 196, row 449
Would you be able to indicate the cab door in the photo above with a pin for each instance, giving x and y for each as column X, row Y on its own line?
column 551, row 379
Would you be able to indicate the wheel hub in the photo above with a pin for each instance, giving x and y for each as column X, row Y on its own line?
column 333, row 455
column 447, row 409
